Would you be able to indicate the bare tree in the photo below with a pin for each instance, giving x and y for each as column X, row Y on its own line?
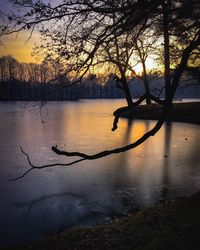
column 144, row 46
column 180, row 28
column 89, row 25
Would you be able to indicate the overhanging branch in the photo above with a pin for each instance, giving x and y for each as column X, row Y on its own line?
column 84, row 156
column 105, row 153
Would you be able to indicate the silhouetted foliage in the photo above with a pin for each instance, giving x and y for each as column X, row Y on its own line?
column 80, row 31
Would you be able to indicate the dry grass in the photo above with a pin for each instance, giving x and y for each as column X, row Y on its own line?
column 168, row 225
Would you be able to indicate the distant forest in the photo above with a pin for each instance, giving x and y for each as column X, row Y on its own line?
column 33, row 82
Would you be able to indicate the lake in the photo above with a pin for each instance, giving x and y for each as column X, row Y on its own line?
column 90, row 192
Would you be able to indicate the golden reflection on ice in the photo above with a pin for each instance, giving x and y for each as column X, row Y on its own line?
column 167, row 165
column 86, row 127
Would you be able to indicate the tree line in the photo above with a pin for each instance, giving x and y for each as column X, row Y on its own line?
column 36, row 82
column 85, row 35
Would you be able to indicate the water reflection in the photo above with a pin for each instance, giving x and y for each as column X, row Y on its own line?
column 166, row 160
column 163, row 167
column 34, row 203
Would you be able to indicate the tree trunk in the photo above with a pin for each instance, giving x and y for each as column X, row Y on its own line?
column 126, row 91
column 146, row 84
column 183, row 64
column 168, row 102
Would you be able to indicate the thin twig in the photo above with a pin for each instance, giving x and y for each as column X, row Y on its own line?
column 32, row 166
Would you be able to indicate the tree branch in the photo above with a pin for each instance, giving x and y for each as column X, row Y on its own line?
column 32, row 166
column 84, row 156
column 101, row 154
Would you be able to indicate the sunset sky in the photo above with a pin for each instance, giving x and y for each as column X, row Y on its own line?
column 20, row 45
column 17, row 45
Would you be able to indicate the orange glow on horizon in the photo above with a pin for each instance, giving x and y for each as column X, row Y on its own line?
column 19, row 47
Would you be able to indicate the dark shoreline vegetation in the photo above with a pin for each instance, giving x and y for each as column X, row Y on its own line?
column 37, row 82
column 170, row 224
column 188, row 112
column 173, row 224
column 90, row 88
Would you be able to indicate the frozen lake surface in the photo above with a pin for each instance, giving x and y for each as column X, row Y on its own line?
column 165, row 166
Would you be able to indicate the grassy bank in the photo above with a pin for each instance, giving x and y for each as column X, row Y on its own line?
column 168, row 225
column 182, row 112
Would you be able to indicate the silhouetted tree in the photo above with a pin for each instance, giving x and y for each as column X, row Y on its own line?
column 88, row 25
